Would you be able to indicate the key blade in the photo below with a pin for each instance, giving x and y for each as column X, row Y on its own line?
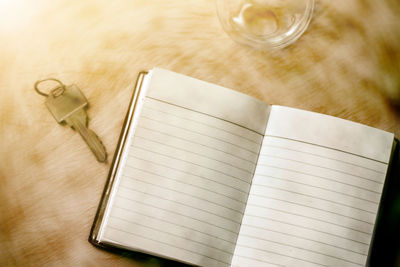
column 78, row 121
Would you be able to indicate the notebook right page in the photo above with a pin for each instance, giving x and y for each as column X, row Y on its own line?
column 315, row 193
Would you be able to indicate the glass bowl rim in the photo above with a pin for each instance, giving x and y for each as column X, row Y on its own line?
column 267, row 42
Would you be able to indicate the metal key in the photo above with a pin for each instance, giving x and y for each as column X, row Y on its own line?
column 68, row 105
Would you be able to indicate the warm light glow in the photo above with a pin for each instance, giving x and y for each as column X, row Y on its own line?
column 15, row 13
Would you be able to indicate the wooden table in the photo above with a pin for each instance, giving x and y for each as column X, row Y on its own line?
column 347, row 64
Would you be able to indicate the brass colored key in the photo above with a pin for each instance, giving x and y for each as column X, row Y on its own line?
column 68, row 105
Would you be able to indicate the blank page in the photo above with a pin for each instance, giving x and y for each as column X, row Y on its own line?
column 315, row 193
column 185, row 183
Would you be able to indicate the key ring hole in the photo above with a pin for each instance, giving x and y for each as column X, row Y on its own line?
column 57, row 91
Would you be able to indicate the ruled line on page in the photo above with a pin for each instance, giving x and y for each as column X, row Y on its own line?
column 193, row 174
column 184, row 193
column 330, row 223
column 302, row 237
column 320, row 153
column 280, row 254
column 203, row 146
column 318, row 187
column 217, row 197
column 183, row 204
column 297, row 258
column 318, row 166
column 257, row 260
column 195, row 134
column 310, row 196
column 305, row 227
column 194, row 153
column 265, row 225
column 296, row 181
column 308, row 207
column 167, row 243
column 311, row 218
column 201, row 117
column 176, row 216
column 190, row 184
column 326, row 147
column 206, row 124
column 280, row 243
column 324, row 157
column 199, row 112
column 171, row 234
column 297, row 247
column 168, row 134
column 202, row 134
column 265, row 246
column 187, row 161
column 193, row 167
column 198, row 143
column 310, row 174
column 174, row 223
column 180, row 214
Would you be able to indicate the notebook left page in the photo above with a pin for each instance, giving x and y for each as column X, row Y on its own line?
column 185, row 181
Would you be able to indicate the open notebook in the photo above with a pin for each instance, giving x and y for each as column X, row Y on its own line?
column 208, row 176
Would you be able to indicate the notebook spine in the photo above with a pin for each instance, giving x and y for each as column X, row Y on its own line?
column 115, row 165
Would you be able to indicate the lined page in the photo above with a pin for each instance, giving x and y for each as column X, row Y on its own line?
column 314, row 196
column 210, row 99
column 184, row 187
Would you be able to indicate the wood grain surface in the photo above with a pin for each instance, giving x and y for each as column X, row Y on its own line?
column 347, row 64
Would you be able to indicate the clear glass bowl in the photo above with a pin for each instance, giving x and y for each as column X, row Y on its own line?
column 265, row 24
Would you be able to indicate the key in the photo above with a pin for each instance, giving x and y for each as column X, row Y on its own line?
column 68, row 105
